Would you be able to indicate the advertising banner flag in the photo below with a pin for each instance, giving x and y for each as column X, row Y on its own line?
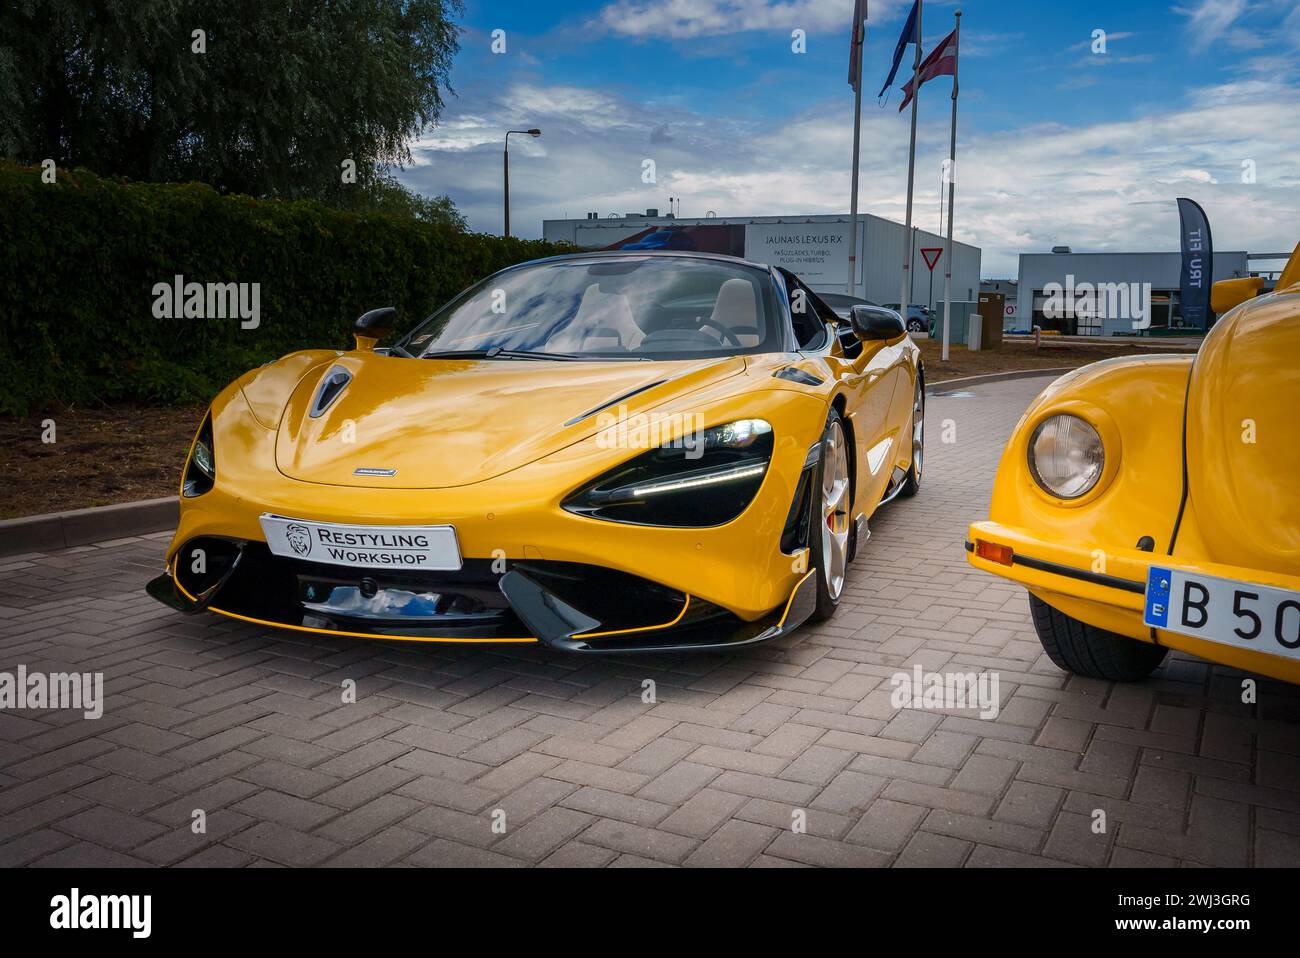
column 1198, row 259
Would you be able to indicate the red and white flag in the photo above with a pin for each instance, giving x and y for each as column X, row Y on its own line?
column 942, row 61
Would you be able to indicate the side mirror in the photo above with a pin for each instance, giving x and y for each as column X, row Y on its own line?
column 871, row 323
column 1229, row 293
column 373, row 326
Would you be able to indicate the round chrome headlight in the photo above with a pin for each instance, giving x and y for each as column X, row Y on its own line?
column 1066, row 456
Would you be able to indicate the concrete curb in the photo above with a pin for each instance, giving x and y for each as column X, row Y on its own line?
column 79, row 527
column 947, row 384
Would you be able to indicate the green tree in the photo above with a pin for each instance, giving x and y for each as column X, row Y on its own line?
column 270, row 98
column 383, row 194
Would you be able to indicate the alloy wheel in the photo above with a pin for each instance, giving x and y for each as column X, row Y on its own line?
column 835, row 510
column 918, row 429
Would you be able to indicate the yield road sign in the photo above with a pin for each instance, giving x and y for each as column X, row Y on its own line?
column 931, row 255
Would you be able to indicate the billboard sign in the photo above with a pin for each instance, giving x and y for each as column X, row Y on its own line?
column 818, row 253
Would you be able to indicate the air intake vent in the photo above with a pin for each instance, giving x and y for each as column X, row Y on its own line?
column 335, row 381
column 619, row 398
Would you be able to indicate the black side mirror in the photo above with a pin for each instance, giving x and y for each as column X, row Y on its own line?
column 872, row 323
column 373, row 326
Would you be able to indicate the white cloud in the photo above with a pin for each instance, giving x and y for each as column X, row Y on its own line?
column 1103, row 186
column 977, row 44
column 1111, row 37
column 462, row 132
column 1291, row 27
column 684, row 19
column 1208, row 20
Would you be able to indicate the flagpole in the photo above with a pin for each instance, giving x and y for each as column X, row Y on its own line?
column 905, row 298
column 859, row 33
column 952, row 182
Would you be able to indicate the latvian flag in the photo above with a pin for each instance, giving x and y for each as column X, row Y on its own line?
column 942, row 61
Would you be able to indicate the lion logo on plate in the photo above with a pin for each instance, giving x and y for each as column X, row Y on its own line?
column 299, row 538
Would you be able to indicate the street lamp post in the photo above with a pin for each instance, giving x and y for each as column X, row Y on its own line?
column 506, row 172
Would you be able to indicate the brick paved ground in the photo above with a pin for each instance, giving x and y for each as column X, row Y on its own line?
column 248, row 725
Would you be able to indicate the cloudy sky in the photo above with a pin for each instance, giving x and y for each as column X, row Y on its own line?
column 1057, row 144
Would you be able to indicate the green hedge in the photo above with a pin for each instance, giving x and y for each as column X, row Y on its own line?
column 79, row 259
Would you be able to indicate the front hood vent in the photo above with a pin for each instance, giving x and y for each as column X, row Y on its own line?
column 621, row 397
column 331, row 386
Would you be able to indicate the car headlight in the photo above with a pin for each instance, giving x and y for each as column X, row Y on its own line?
column 1066, row 456
column 201, row 468
column 701, row 479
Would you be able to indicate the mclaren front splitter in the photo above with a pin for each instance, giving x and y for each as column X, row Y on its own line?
column 562, row 606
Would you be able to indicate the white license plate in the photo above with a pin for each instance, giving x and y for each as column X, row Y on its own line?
column 1241, row 614
column 369, row 547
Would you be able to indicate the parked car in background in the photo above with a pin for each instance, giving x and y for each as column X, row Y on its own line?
column 920, row 319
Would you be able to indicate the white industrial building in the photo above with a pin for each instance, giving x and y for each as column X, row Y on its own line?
column 815, row 248
column 1110, row 279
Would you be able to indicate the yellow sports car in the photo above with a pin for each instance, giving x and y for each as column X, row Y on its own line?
column 625, row 451
column 1154, row 503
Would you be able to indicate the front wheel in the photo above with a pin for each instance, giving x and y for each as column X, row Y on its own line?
column 912, row 483
column 830, row 520
column 915, row 326
column 1087, row 650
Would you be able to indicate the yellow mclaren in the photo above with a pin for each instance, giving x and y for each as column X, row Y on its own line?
column 629, row 451
column 1154, row 503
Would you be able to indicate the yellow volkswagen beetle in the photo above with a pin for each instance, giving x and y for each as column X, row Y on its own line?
column 1153, row 503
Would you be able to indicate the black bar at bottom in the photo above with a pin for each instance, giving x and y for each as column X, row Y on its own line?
column 954, row 909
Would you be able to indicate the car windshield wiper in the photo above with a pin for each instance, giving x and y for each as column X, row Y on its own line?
column 497, row 352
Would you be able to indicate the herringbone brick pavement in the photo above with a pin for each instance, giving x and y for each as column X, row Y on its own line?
column 249, row 726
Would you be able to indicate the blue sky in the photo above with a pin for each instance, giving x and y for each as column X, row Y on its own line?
column 1056, row 143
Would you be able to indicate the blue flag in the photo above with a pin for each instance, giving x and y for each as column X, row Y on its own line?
column 908, row 36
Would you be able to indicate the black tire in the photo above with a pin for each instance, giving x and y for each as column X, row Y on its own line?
column 912, row 484
column 915, row 326
column 827, row 600
column 1087, row 650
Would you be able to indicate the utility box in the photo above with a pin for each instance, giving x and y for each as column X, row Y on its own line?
column 963, row 318
column 992, row 306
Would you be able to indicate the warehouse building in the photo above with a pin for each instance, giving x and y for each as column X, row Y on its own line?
column 815, row 248
column 1109, row 294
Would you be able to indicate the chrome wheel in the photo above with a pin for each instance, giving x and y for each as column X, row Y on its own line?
column 918, row 430
column 912, row 482
column 835, row 509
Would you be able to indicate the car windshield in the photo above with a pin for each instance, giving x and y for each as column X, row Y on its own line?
column 630, row 307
